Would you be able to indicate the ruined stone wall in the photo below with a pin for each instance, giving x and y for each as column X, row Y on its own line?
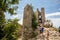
column 27, row 22
column 40, row 16
column 43, row 15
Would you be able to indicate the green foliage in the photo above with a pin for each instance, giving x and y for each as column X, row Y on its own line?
column 2, row 23
column 34, row 26
column 11, row 30
column 7, row 5
column 8, row 30
column 34, row 23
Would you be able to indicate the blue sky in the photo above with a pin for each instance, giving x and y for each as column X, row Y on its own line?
column 52, row 9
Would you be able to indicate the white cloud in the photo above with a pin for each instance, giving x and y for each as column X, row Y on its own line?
column 56, row 21
column 14, row 16
column 19, row 16
column 20, row 21
column 52, row 14
column 19, row 10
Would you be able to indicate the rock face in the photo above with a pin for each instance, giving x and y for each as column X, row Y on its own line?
column 27, row 22
column 49, row 34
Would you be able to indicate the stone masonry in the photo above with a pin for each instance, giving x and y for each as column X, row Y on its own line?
column 27, row 22
column 40, row 16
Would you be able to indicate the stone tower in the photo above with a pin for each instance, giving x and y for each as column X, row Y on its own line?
column 27, row 22
column 42, row 15
column 37, row 15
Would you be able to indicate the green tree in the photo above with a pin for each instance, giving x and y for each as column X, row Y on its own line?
column 6, row 6
column 11, row 30
column 2, row 21
column 34, row 23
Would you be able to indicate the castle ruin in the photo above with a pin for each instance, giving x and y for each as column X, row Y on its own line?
column 40, row 16
column 27, row 20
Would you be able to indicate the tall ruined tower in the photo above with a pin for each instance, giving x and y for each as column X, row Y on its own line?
column 43, row 15
column 27, row 22
column 37, row 15
column 40, row 16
